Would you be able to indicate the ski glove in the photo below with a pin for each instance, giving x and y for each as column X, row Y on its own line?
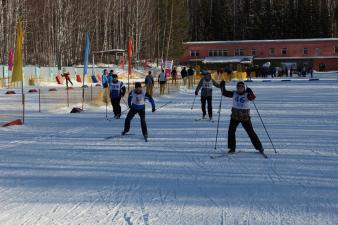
column 249, row 90
column 222, row 84
column 153, row 110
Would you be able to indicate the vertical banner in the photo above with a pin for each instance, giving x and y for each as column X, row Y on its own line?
column 10, row 62
column 85, row 64
column 130, row 52
column 18, row 64
column 122, row 61
column 168, row 66
column 86, row 55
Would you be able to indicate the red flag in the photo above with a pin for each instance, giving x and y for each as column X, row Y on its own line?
column 10, row 62
column 130, row 52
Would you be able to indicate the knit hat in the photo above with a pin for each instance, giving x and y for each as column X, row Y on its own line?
column 240, row 83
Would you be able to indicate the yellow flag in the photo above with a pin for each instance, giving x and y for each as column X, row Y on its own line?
column 18, row 64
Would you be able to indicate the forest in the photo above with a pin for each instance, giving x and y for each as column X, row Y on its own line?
column 54, row 30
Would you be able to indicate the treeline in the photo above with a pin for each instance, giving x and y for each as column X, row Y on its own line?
column 262, row 19
column 55, row 29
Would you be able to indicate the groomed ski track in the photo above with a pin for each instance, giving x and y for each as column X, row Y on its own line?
column 59, row 169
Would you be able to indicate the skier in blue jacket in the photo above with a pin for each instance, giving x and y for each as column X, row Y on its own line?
column 117, row 91
column 136, row 102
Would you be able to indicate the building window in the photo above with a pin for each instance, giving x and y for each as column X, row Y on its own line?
column 336, row 50
column 195, row 53
column 305, row 51
column 217, row 52
column 283, row 51
column 253, row 52
column 239, row 52
column 271, row 51
column 317, row 51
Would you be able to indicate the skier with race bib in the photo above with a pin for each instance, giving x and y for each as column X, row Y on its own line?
column 117, row 91
column 136, row 103
column 206, row 84
column 240, row 113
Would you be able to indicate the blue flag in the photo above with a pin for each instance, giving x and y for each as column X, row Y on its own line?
column 86, row 54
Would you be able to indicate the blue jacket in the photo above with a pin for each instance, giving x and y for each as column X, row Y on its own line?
column 117, row 88
column 137, row 101
column 104, row 80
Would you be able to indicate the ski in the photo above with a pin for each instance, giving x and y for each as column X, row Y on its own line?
column 216, row 156
column 117, row 135
column 204, row 119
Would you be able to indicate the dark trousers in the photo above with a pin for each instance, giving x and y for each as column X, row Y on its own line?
column 203, row 101
column 68, row 80
column 132, row 112
column 115, row 102
column 249, row 130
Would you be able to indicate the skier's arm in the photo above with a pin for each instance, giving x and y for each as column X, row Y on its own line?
column 215, row 83
column 226, row 93
column 129, row 98
column 251, row 96
column 151, row 100
column 123, row 90
column 198, row 87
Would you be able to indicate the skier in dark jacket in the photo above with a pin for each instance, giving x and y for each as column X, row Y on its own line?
column 240, row 113
column 136, row 102
column 206, row 84
column 117, row 91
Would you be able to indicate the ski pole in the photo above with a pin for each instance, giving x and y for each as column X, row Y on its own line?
column 219, row 115
column 264, row 127
column 164, row 105
column 193, row 103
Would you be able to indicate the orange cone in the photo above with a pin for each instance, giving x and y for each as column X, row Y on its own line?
column 13, row 123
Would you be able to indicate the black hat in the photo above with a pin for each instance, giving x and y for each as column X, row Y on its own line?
column 240, row 83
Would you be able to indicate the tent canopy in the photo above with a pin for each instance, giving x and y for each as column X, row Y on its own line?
column 228, row 59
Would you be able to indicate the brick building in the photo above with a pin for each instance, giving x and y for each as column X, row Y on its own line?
column 321, row 54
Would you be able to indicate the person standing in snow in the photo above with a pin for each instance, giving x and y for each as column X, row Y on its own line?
column 190, row 77
column 149, row 82
column 240, row 113
column 173, row 76
column 66, row 75
column 136, row 103
column 184, row 75
column 162, row 79
column 206, row 84
column 104, row 78
column 117, row 91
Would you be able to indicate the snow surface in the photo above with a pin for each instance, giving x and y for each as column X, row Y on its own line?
column 59, row 169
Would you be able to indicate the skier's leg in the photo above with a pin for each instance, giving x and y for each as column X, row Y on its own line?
column 209, row 99
column 142, row 115
column 203, row 101
column 252, row 134
column 113, row 103
column 118, row 106
column 129, row 117
column 232, row 134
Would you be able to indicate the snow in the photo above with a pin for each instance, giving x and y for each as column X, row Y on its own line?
column 59, row 169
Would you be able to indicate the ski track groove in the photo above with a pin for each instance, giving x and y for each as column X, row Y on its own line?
column 145, row 216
